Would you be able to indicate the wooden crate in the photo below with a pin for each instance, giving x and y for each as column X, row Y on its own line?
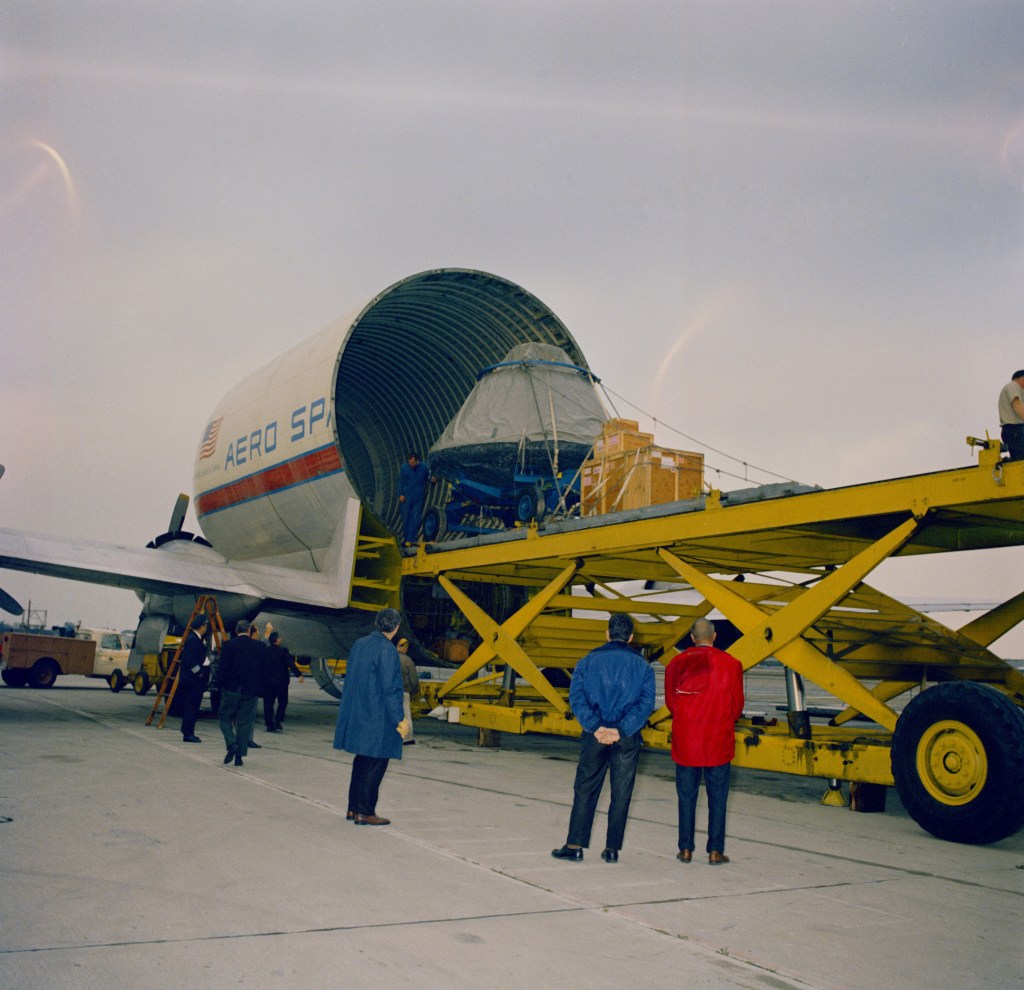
column 601, row 481
column 667, row 476
column 635, row 479
column 620, row 435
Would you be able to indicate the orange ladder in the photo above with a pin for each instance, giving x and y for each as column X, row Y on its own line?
column 205, row 608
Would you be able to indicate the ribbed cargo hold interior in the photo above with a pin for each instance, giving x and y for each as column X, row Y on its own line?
column 412, row 357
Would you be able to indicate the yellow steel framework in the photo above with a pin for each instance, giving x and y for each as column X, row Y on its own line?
column 788, row 572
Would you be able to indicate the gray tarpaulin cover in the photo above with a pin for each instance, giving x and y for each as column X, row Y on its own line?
column 533, row 411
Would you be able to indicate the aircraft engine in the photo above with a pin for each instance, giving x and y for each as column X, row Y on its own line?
column 232, row 607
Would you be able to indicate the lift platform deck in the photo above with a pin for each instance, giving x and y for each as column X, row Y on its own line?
column 787, row 566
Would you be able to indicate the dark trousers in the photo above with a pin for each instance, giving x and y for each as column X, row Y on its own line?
column 236, row 715
column 1013, row 437
column 594, row 762
column 716, row 783
column 363, row 788
column 191, row 692
column 278, row 696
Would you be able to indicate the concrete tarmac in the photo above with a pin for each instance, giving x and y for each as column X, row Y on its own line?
column 131, row 859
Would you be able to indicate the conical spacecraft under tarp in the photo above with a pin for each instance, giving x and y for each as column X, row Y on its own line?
column 534, row 413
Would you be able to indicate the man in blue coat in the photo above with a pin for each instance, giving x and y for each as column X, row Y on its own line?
column 370, row 716
column 612, row 696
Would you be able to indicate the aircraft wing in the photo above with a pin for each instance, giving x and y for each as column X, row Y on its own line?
column 176, row 568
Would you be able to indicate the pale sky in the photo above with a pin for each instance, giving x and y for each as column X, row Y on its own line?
column 791, row 230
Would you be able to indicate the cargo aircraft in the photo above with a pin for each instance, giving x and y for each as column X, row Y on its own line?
column 296, row 471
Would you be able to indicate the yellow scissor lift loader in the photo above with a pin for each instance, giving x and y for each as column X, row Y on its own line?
column 788, row 569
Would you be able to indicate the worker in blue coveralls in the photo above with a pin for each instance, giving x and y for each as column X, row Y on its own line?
column 412, row 496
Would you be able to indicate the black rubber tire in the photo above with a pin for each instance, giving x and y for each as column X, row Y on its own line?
column 526, row 505
column 14, row 676
column 958, row 762
column 43, row 673
column 116, row 681
column 141, row 683
column 433, row 524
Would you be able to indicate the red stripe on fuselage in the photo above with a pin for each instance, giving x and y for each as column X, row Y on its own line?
column 309, row 467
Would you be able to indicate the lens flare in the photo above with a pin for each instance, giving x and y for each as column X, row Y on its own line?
column 38, row 175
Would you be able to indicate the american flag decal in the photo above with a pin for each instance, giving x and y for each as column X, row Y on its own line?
column 209, row 444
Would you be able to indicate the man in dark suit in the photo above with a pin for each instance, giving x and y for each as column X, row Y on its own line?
column 370, row 716
column 279, row 668
column 240, row 677
column 193, row 672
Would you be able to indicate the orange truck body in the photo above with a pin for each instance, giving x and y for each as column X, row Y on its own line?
column 38, row 660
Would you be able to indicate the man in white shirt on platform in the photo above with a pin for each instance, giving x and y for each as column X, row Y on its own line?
column 1011, row 415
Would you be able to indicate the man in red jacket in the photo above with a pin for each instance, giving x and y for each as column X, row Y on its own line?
column 704, row 692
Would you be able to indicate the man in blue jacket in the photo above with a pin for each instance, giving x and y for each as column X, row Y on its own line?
column 370, row 717
column 612, row 696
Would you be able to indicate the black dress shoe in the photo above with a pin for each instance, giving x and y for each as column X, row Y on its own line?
column 191, row 739
column 610, row 855
column 566, row 852
column 271, row 728
column 255, row 745
column 238, row 761
column 230, row 753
